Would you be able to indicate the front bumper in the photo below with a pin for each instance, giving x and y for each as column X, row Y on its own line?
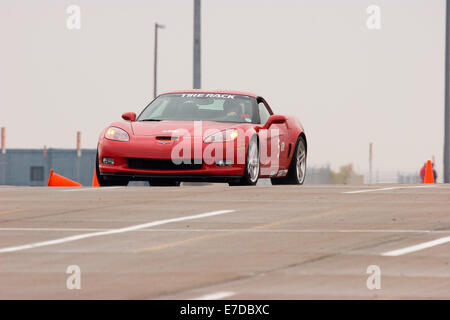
column 145, row 148
column 177, row 177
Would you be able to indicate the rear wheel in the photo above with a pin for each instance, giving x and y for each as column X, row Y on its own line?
column 252, row 165
column 108, row 181
column 297, row 168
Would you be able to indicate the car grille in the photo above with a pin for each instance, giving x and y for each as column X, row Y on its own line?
column 163, row 164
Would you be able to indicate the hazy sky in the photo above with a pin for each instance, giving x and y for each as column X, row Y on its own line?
column 315, row 59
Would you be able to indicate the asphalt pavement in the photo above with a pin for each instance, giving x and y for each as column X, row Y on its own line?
column 221, row 242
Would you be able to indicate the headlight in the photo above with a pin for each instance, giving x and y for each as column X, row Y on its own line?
column 114, row 133
column 225, row 135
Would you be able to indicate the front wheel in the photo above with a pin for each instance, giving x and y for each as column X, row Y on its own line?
column 297, row 168
column 251, row 174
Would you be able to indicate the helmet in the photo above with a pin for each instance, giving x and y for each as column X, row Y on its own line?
column 232, row 106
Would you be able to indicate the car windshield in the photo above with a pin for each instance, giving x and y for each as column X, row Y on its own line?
column 202, row 107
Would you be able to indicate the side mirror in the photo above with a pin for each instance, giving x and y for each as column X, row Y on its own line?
column 275, row 118
column 129, row 116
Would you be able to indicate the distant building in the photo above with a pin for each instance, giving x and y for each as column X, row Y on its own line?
column 30, row 167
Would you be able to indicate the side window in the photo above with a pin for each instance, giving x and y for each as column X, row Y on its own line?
column 263, row 112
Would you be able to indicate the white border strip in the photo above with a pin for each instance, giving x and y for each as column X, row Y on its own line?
column 417, row 247
column 113, row 231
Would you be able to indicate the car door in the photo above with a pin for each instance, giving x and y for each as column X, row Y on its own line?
column 275, row 152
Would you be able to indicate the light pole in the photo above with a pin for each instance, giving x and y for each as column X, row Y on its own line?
column 447, row 97
column 197, row 44
column 155, row 63
column 370, row 162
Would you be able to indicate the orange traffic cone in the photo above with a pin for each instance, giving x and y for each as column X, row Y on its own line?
column 429, row 176
column 56, row 180
column 95, row 180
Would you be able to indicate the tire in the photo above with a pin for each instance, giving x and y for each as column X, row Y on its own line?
column 164, row 183
column 252, row 166
column 297, row 168
column 110, row 181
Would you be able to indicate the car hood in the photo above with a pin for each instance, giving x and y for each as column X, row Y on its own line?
column 174, row 128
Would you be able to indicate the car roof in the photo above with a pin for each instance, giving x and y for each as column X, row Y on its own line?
column 214, row 91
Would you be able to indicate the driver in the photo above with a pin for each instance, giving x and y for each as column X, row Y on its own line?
column 232, row 108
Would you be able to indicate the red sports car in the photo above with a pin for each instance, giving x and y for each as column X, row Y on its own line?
column 196, row 135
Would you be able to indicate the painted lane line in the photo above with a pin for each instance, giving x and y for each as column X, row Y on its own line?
column 417, row 247
column 114, row 231
column 56, row 229
column 185, row 242
column 422, row 186
column 384, row 189
column 371, row 190
column 243, row 230
column 215, row 296
column 11, row 211
column 229, row 233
